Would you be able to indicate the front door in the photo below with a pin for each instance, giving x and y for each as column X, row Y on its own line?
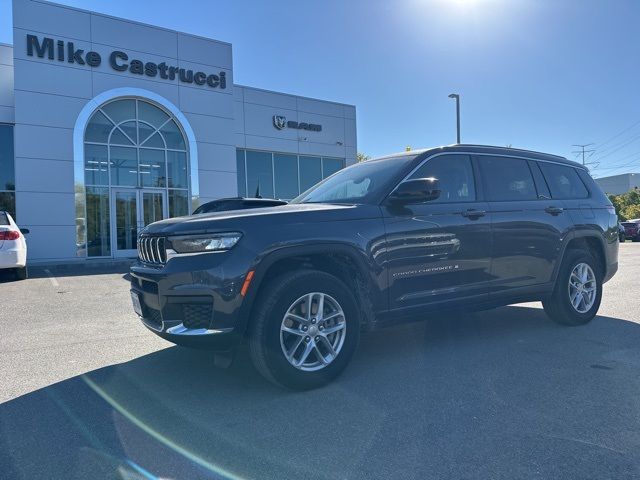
column 132, row 210
column 439, row 251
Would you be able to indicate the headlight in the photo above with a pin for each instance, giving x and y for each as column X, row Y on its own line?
column 205, row 243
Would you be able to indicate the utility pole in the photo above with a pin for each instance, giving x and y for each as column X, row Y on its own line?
column 457, row 99
column 583, row 152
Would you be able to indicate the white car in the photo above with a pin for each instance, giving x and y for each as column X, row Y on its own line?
column 13, row 247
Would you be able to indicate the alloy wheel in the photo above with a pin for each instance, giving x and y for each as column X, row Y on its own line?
column 312, row 331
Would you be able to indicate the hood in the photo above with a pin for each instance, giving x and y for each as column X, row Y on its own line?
column 256, row 218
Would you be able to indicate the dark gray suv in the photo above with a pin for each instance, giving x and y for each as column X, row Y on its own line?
column 378, row 243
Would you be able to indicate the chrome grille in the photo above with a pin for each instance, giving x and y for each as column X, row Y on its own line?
column 152, row 250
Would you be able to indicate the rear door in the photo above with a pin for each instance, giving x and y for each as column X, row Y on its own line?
column 528, row 225
column 439, row 251
column 567, row 187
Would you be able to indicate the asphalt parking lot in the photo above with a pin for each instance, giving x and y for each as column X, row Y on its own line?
column 87, row 392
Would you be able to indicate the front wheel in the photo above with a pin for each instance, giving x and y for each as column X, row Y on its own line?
column 305, row 330
column 578, row 291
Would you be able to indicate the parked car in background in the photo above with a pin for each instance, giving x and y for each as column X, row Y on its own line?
column 378, row 243
column 622, row 236
column 13, row 247
column 237, row 203
column 632, row 230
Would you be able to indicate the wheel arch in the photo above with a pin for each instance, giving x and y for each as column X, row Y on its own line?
column 343, row 261
column 584, row 240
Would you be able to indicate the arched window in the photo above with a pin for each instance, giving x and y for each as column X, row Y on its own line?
column 132, row 143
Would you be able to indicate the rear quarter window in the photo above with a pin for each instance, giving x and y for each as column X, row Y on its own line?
column 564, row 182
column 4, row 220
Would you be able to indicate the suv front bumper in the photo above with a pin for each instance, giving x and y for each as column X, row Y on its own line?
column 189, row 301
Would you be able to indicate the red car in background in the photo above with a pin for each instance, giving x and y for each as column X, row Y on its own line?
column 632, row 230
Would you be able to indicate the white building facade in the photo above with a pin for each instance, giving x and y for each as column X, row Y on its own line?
column 107, row 125
column 618, row 184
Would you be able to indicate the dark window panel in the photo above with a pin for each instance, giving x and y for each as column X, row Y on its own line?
column 563, row 181
column 259, row 174
column 8, row 203
column 286, row 176
column 7, row 166
column 507, row 179
column 242, row 175
column 455, row 174
column 310, row 172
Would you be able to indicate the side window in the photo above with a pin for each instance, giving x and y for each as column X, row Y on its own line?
column 455, row 174
column 563, row 181
column 507, row 179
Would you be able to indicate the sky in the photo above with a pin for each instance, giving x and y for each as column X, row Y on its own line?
column 534, row 74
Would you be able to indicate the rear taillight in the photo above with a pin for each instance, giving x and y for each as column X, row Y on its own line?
column 9, row 235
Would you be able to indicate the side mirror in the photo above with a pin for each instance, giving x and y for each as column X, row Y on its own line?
column 418, row 190
column 24, row 231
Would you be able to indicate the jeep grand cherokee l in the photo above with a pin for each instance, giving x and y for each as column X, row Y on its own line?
column 378, row 243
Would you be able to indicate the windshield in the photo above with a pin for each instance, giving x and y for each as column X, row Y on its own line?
column 359, row 183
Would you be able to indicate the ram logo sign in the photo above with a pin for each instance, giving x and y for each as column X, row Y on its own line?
column 280, row 122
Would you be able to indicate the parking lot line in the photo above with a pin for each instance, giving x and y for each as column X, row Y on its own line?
column 53, row 280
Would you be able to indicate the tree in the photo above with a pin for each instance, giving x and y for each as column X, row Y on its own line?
column 362, row 157
column 627, row 205
column 632, row 212
column 617, row 204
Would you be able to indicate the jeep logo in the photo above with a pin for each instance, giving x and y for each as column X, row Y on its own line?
column 280, row 122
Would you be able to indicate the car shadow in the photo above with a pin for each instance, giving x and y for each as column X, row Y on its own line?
column 498, row 394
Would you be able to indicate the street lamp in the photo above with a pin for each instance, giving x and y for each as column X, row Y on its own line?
column 457, row 97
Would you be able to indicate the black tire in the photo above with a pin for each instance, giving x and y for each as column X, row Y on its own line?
column 636, row 238
column 268, row 314
column 559, row 307
column 21, row 273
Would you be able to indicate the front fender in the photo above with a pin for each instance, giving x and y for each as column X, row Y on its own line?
column 366, row 269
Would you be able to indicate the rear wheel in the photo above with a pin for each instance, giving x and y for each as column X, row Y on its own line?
column 305, row 330
column 21, row 273
column 578, row 291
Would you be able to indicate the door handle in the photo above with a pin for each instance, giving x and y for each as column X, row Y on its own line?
column 473, row 213
column 554, row 210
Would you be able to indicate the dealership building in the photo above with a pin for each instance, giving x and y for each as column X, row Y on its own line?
column 107, row 125
column 617, row 184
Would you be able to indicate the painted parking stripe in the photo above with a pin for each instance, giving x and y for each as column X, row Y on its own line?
column 54, row 282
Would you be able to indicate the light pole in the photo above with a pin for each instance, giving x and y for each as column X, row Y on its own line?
column 457, row 97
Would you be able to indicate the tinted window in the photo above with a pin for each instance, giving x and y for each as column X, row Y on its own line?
column 7, row 171
column 285, row 168
column 331, row 166
column 259, row 174
column 563, row 181
column 4, row 220
column 242, row 176
column 310, row 172
column 359, row 183
column 507, row 179
column 455, row 175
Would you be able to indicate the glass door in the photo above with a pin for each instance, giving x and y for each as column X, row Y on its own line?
column 153, row 206
column 133, row 209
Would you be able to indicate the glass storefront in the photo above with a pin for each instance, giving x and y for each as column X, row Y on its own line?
column 280, row 175
column 135, row 172
column 7, row 171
